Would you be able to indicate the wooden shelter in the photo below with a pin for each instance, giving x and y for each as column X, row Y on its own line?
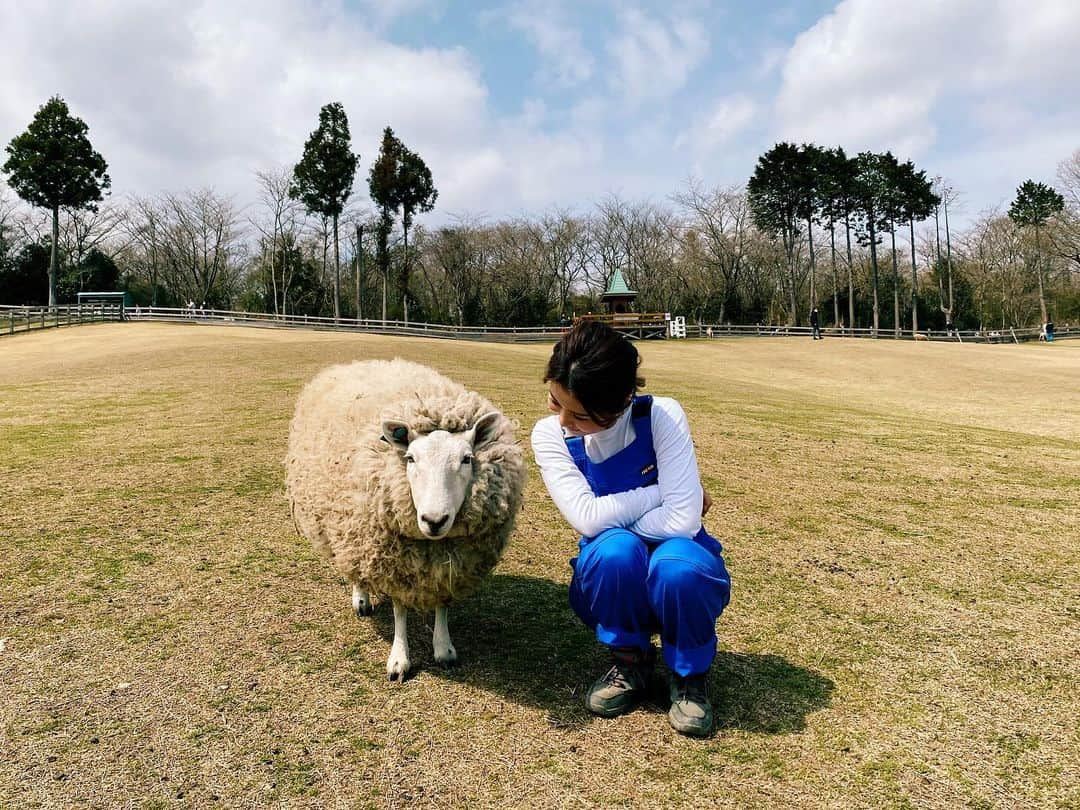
column 618, row 298
column 618, row 301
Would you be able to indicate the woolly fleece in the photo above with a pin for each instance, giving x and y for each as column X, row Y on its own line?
column 350, row 496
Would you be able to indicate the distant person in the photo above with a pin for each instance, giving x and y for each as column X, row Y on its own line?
column 1049, row 328
column 622, row 470
column 815, row 324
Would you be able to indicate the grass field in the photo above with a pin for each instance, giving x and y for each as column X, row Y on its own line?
column 902, row 524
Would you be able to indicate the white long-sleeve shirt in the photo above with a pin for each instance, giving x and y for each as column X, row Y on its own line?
column 669, row 508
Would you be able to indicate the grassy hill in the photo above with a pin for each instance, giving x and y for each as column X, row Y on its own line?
column 901, row 522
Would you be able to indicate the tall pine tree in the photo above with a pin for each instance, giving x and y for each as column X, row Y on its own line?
column 52, row 165
column 382, row 186
column 414, row 193
column 775, row 196
column 1035, row 203
column 917, row 202
column 873, row 173
column 323, row 178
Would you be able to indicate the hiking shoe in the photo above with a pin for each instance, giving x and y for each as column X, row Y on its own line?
column 624, row 685
column 690, row 713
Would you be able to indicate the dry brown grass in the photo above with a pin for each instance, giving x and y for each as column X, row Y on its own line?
column 900, row 520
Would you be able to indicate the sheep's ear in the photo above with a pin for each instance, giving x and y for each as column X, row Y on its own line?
column 397, row 433
column 485, row 430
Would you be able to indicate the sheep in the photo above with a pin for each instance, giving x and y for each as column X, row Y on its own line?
column 408, row 484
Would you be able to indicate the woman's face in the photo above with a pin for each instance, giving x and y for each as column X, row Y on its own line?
column 572, row 416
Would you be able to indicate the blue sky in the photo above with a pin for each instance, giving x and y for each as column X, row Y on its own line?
column 523, row 106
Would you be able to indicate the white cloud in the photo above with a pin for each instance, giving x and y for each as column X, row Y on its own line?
column 727, row 118
column 384, row 12
column 566, row 61
column 878, row 74
column 654, row 58
column 180, row 96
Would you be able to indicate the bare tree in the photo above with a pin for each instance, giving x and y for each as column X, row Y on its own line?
column 144, row 226
column 201, row 245
column 721, row 220
column 279, row 211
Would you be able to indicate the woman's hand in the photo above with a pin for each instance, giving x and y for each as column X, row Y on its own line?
column 706, row 503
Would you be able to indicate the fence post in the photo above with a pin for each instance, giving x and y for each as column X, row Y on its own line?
column 11, row 327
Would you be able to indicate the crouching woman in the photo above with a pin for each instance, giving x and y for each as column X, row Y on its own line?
column 622, row 470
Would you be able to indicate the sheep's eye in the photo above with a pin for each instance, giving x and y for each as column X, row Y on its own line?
column 467, row 460
column 409, row 458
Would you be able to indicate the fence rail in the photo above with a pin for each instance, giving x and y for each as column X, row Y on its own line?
column 501, row 334
column 25, row 319
column 1007, row 335
column 22, row 319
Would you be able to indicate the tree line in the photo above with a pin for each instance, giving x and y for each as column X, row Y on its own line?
column 813, row 227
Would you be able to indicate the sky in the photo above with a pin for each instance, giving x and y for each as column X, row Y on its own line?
column 520, row 107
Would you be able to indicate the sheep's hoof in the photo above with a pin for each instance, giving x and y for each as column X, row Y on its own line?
column 397, row 668
column 447, row 658
column 361, row 602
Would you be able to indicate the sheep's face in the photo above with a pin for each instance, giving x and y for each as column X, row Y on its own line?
column 439, row 466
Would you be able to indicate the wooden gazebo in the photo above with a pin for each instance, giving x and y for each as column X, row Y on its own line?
column 618, row 298
column 618, row 301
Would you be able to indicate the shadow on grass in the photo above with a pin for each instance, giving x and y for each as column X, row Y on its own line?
column 517, row 637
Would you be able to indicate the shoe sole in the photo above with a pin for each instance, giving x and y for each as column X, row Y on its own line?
column 617, row 711
column 688, row 727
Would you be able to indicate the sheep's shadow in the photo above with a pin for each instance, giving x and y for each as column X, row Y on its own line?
column 517, row 637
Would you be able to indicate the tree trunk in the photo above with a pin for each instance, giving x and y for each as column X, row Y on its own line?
column 937, row 233
column 337, row 273
column 273, row 265
column 384, row 299
column 874, row 271
column 948, row 262
column 895, row 284
column 914, row 284
column 359, row 270
column 1039, row 274
column 325, row 248
column 54, row 258
column 793, row 315
column 1004, row 302
column 404, row 291
column 850, row 283
column 835, row 280
column 813, row 264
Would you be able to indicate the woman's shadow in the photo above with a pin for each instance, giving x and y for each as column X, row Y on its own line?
column 518, row 637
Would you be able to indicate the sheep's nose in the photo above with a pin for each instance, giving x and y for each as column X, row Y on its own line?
column 435, row 523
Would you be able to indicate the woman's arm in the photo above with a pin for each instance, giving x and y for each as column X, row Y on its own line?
column 589, row 514
column 679, row 513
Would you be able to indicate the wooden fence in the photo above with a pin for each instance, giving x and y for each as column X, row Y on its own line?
column 1008, row 335
column 25, row 319
column 497, row 334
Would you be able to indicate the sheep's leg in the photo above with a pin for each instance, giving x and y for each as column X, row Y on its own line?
column 397, row 665
column 445, row 653
column 361, row 601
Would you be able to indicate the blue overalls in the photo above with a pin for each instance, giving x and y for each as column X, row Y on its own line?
column 627, row 587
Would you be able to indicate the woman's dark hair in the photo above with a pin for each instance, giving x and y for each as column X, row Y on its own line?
column 598, row 366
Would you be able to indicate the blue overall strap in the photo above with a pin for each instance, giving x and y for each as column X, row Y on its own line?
column 641, row 413
column 576, row 446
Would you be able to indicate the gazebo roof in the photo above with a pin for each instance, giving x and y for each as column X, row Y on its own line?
column 618, row 286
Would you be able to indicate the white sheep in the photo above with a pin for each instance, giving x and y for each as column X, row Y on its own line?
column 408, row 483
